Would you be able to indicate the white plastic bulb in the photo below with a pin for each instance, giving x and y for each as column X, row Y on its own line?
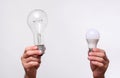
column 92, row 37
column 37, row 21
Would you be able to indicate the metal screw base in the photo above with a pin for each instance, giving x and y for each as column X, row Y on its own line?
column 90, row 49
column 41, row 48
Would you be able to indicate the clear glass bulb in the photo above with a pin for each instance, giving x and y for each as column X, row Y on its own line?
column 92, row 37
column 37, row 21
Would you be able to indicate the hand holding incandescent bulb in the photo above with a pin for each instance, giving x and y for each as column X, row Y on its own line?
column 92, row 37
column 37, row 21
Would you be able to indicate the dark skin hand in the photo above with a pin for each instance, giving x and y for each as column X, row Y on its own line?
column 98, row 62
column 31, row 60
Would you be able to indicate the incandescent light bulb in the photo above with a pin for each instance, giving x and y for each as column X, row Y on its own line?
column 37, row 21
column 92, row 37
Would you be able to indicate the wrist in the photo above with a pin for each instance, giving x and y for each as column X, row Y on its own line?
column 99, row 77
column 30, row 74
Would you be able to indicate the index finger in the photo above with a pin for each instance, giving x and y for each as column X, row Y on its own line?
column 31, row 53
column 99, row 52
column 96, row 50
column 31, row 48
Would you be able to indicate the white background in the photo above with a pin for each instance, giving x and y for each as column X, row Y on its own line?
column 66, row 54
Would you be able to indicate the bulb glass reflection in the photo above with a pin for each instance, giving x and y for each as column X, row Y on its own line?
column 37, row 21
column 92, row 37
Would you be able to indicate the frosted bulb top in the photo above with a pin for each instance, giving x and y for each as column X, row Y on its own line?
column 92, row 34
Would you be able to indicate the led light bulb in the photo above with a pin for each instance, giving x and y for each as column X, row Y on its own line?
column 37, row 21
column 92, row 37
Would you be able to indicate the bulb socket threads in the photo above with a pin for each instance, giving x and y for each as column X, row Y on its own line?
column 90, row 49
column 41, row 48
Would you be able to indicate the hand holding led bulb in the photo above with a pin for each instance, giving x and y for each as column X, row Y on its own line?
column 97, row 57
column 92, row 37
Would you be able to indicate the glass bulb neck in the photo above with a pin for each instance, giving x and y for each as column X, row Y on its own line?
column 38, row 40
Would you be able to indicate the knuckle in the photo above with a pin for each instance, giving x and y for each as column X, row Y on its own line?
column 39, row 61
column 30, row 58
column 108, row 61
column 26, row 49
column 27, row 53
column 103, row 55
column 102, row 60
column 31, row 64
column 34, row 64
column 21, row 57
column 101, row 65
